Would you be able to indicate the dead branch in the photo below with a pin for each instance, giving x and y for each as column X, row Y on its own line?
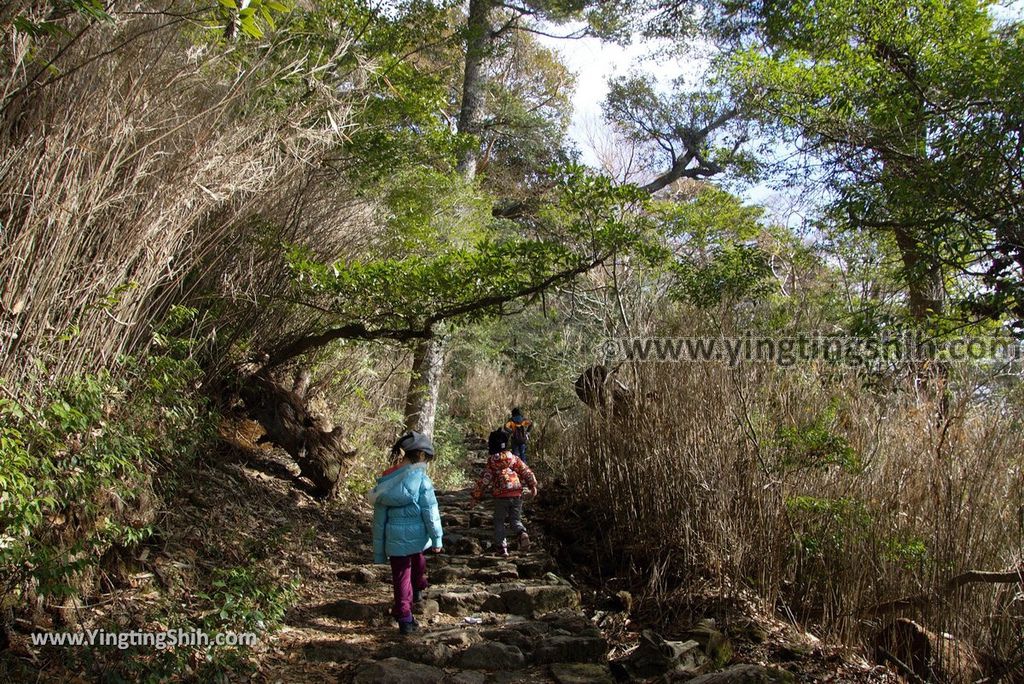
column 951, row 586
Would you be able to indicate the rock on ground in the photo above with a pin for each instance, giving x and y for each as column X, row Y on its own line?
column 398, row 670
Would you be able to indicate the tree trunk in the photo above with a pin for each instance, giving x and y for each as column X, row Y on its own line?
column 478, row 37
column 425, row 385
column 428, row 357
column 317, row 448
column 924, row 277
column 921, row 264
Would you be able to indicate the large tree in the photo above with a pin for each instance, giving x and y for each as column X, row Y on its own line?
column 409, row 297
column 909, row 115
column 526, row 102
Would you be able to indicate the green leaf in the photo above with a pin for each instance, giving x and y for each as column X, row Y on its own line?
column 250, row 28
column 267, row 17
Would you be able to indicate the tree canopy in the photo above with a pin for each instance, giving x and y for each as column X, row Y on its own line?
column 909, row 115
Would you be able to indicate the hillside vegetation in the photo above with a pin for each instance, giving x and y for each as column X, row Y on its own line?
column 246, row 244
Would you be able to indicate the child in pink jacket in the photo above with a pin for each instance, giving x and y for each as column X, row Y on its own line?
column 505, row 476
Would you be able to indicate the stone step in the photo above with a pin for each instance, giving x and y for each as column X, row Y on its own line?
column 398, row 670
column 491, row 655
column 394, row 669
column 581, row 673
column 534, row 598
column 454, row 574
column 455, row 520
column 526, row 623
column 444, row 567
column 514, row 646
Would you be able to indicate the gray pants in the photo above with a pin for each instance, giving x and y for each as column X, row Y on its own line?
column 512, row 510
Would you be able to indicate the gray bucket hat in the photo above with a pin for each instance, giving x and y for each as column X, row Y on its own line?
column 414, row 441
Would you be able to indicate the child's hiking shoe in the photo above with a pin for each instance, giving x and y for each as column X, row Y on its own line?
column 524, row 542
column 408, row 627
column 503, row 551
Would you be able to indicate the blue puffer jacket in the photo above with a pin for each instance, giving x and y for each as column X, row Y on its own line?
column 406, row 519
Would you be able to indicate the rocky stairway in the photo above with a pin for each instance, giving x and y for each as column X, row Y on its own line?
column 487, row 618
column 490, row 619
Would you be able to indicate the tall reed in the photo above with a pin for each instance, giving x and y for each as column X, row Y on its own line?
column 138, row 173
column 824, row 498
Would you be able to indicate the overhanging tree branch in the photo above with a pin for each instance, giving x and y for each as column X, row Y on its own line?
column 951, row 585
column 693, row 143
column 360, row 331
column 498, row 300
column 351, row 331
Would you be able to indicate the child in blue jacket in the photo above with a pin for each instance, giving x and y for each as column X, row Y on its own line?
column 406, row 522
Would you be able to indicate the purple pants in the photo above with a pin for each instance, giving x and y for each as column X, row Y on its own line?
column 407, row 573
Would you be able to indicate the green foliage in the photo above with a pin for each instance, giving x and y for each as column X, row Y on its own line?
column 707, row 217
column 397, row 63
column 695, row 128
column 823, row 526
column 69, row 456
column 587, row 221
column 815, row 445
column 902, row 112
column 527, row 109
column 55, row 455
column 93, row 10
column 448, row 469
column 247, row 599
column 714, row 237
column 251, row 17
column 733, row 273
column 910, row 553
column 428, row 212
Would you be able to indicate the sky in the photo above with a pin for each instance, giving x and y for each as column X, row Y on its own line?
column 594, row 62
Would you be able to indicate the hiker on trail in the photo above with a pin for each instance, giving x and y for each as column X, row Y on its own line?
column 518, row 430
column 504, row 475
column 406, row 522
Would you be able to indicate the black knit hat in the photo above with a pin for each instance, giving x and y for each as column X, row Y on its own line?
column 414, row 441
column 497, row 442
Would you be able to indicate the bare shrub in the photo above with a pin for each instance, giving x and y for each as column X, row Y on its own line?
column 139, row 176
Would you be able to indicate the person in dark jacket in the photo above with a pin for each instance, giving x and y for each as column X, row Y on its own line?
column 518, row 430
column 503, row 477
column 406, row 522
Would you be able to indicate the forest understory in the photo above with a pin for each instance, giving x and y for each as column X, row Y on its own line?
column 754, row 271
column 305, row 568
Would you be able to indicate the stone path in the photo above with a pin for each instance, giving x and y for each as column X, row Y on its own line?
column 485, row 619
column 491, row 619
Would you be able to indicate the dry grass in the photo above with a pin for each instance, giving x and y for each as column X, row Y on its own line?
column 149, row 168
column 131, row 179
column 702, row 464
column 484, row 397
